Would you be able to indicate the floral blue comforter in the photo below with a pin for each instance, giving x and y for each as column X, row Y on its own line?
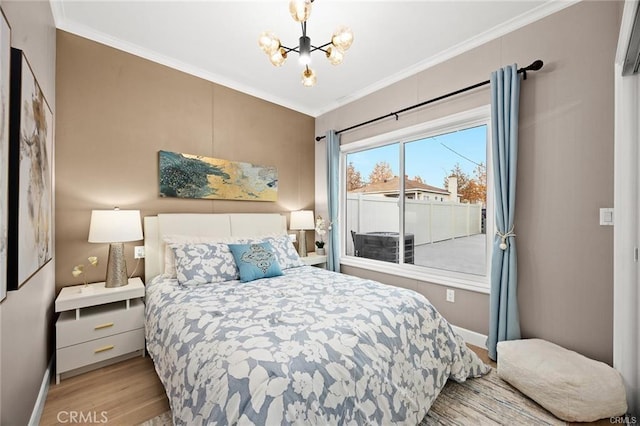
column 308, row 347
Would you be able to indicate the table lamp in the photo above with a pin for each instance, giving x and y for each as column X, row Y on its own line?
column 302, row 220
column 115, row 227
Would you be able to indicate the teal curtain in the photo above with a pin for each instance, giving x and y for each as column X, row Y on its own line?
column 504, row 322
column 333, row 194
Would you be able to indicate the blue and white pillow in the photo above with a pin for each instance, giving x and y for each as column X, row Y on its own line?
column 203, row 263
column 169, row 257
column 255, row 261
column 284, row 250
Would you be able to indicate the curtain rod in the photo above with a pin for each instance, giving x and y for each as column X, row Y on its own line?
column 535, row 66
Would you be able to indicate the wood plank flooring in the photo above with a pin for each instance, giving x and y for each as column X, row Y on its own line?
column 483, row 354
column 126, row 393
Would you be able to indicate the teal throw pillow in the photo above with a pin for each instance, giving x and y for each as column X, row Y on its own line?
column 255, row 261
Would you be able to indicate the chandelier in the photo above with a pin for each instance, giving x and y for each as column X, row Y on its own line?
column 334, row 50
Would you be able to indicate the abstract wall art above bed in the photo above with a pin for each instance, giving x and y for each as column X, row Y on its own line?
column 196, row 176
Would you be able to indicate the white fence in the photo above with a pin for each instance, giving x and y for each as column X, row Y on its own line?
column 428, row 221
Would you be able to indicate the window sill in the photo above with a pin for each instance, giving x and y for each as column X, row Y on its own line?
column 450, row 279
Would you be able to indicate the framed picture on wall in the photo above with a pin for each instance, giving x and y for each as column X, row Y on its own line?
column 5, row 69
column 197, row 176
column 30, row 197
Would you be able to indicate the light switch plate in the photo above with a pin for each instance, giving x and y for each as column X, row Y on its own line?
column 451, row 295
column 138, row 252
column 606, row 216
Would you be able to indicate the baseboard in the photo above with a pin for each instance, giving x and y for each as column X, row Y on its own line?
column 38, row 407
column 472, row 337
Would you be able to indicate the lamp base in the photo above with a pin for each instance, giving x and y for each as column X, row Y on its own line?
column 302, row 243
column 116, row 266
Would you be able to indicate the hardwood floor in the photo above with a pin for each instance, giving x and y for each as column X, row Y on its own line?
column 127, row 393
column 483, row 354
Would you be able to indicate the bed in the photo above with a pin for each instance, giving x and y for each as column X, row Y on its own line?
column 306, row 346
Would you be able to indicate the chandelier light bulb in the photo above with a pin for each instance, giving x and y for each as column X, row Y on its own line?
column 300, row 10
column 278, row 57
column 305, row 50
column 334, row 55
column 309, row 77
column 342, row 38
column 304, row 59
column 268, row 42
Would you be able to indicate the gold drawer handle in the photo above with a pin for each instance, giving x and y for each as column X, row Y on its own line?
column 101, row 326
column 104, row 349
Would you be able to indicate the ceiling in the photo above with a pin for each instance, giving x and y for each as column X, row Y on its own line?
column 217, row 40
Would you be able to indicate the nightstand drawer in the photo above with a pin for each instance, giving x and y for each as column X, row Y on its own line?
column 77, row 356
column 98, row 322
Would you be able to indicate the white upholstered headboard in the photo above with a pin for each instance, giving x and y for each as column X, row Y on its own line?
column 203, row 224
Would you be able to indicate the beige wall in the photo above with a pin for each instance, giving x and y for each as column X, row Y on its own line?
column 565, row 170
column 116, row 111
column 26, row 315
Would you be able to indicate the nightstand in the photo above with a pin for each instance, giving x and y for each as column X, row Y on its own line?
column 313, row 259
column 98, row 325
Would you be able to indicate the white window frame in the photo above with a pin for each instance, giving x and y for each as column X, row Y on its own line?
column 471, row 118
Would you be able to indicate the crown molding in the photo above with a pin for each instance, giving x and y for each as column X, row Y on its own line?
column 520, row 21
column 57, row 10
column 626, row 26
column 513, row 24
column 151, row 55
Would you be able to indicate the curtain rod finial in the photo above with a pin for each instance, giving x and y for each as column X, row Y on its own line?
column 536, row 65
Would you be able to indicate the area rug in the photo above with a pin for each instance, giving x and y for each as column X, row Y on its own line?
column 488, row 400
column 163, row 419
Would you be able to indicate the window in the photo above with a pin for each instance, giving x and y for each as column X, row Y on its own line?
column 439, row 231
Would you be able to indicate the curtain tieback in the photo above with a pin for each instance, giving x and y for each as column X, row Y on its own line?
column 503, row 238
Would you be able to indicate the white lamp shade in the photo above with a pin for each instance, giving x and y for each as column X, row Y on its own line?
column 302, row 219
column 115, row 226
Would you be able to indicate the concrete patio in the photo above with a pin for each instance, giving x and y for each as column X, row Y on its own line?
column 464, row 254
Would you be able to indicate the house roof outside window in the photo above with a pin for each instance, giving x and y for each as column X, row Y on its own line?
column 391, row 188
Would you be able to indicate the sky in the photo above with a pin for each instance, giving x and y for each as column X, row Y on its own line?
column 431, row 158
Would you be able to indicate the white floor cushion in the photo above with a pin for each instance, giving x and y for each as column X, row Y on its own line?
column 571, row 386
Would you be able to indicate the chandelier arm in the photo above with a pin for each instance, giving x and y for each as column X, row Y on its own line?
column 322, row 48
column 290, row 49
